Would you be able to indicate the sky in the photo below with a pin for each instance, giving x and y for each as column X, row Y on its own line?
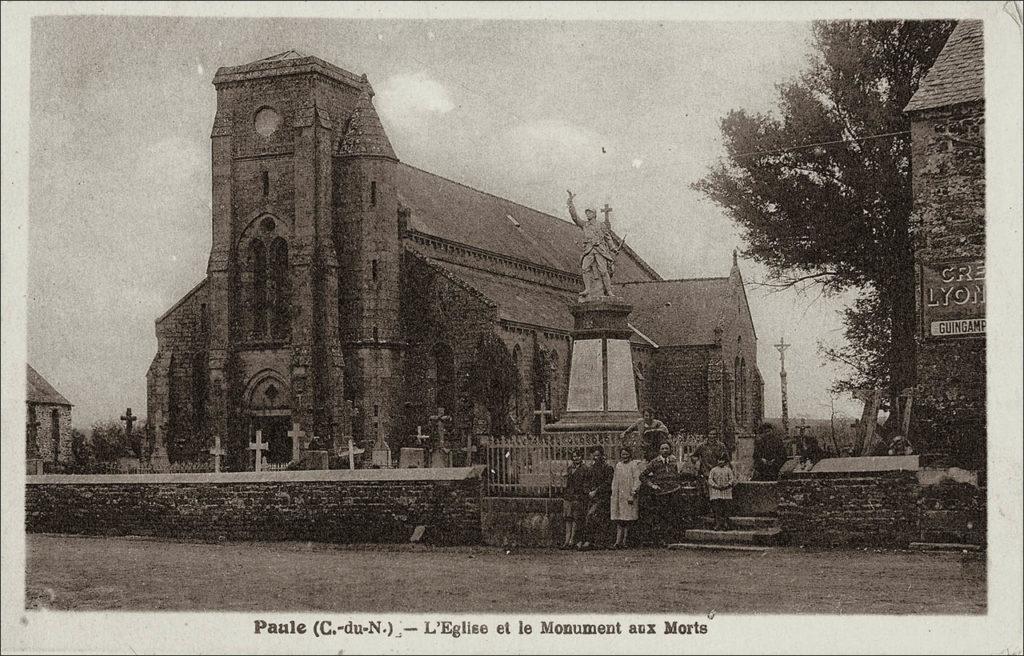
column 620, row 112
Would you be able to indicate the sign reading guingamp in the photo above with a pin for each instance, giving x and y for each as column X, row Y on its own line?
column 953, row 298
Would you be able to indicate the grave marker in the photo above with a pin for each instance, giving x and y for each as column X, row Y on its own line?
column 439, row 453
column 381, row 456
column 217, row 451
column 259, row 446
column 296, row 434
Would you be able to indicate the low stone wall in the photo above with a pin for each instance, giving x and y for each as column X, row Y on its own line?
column 870, row 504
column 370, row 505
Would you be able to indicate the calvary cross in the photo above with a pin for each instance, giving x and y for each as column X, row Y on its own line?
column 128, row 418
column 259, row 446
column 216, row 451
column 606, row 210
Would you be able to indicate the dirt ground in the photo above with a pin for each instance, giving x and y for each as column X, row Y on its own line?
column 92, row 573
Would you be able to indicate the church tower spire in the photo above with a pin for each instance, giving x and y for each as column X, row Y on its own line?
column 364, row 134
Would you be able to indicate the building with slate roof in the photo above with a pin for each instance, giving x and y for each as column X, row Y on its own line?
column 947, row 115
column 48, row 424
column 351, row 294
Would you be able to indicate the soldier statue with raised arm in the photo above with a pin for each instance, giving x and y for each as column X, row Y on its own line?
column 599, row 251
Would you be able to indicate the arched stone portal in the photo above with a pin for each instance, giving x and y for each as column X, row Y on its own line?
column 268, row 409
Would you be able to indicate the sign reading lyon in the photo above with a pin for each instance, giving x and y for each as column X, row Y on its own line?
column 953, row 298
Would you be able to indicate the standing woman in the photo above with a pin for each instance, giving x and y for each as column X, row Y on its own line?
column 625, row 485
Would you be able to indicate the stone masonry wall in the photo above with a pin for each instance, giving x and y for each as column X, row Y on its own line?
column 376, row 506
column 439, row 314
column 949, row 200
column 680, row 396
column 49, row 449
column 884, row 509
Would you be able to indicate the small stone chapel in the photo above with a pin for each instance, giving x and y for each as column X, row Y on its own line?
column 355, row 295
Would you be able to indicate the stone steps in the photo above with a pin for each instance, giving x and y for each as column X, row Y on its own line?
column 758, row 537
column 944, row 546
column 719, row 547
column 762, row 522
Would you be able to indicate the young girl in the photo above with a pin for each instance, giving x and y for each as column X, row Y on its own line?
column 721, row 480
column 625, row 485
column 574, row 504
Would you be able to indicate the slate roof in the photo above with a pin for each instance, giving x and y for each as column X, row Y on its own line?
column 450, row 210
column 958, row 74
column 364, row 134
column 679, row 312
column 281, row 56
column 40, row 391
column 517, row 300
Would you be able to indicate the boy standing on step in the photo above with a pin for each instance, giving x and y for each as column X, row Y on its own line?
column 721, row 480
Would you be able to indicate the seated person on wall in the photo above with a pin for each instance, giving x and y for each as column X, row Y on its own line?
column 599, row 492
column 575, row 501
column 769, row 453
column 652, row 432
column 661, row 483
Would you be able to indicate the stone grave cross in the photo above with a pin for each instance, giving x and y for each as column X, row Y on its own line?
column 259, row 446
column 543, row 413
column 381, row 449
column 217, row 451
column 437, row 456
column 420, row 436
column 129, row 419
column 441, row 419
column 296, row 433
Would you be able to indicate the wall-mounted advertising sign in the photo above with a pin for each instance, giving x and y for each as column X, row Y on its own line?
column 953, row 299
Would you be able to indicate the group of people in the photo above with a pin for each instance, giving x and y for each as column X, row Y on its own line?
column 600, row 493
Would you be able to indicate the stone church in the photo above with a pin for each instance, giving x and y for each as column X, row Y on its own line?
column 355, row 295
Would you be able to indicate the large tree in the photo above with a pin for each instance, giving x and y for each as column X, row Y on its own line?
column 821, row 188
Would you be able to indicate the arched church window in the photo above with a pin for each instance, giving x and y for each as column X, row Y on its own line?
column 554, row 383
column 736, row 385
column 55, row 432
column 743, row 389
column 517, row 356
column 258, row 295
column 444, row 368
column 278, row 303
column 199, row 390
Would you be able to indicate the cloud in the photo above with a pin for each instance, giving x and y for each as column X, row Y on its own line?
column 552, row 146
column 407, row 99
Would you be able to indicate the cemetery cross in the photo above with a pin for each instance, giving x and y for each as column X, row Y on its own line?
column 217, row 451
column 296, row 434
column 129, row 419
column 259, row 446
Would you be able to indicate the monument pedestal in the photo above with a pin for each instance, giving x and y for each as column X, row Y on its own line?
column 602, row 388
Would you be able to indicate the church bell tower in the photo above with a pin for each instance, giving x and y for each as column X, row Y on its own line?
column 275, row 354
column 369, row 253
